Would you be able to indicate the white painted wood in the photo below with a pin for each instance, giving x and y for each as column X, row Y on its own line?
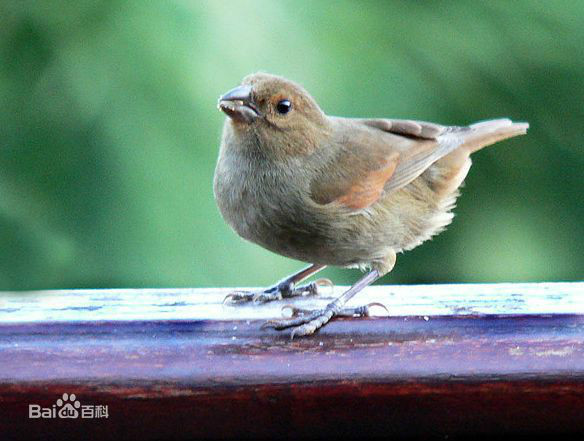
column 206, row 303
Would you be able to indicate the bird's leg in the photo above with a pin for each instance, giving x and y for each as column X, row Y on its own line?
column 286, row 288
column 306, row 322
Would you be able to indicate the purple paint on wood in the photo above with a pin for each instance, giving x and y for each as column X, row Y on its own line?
column 406, row 375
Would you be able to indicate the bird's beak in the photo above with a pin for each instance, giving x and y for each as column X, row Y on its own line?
column 238, row 104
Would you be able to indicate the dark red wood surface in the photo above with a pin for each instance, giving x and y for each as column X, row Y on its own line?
column 437, row 376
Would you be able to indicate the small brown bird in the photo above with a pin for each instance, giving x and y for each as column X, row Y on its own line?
column 335, row 191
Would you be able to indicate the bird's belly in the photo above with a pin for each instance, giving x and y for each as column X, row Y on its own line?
column 275, row 217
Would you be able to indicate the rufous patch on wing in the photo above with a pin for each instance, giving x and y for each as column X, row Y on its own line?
column 368, row 189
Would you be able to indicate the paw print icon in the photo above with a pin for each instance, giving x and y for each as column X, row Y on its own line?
column 68, row 406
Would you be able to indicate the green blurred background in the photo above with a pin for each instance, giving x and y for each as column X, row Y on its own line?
column 109, row 131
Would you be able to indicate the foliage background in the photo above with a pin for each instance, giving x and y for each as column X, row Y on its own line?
column 109, row 131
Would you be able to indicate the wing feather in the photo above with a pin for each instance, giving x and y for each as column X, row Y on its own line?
column 373, row 157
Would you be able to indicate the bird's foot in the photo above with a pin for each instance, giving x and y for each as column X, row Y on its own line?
column 306, row 322
column 285, row 290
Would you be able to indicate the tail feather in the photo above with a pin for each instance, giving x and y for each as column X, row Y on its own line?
column 485, row 133
column 456, row 163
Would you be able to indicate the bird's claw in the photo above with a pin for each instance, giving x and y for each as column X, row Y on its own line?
column 251, row 296
column 361, row 311
column 278, row 292
column 295, row 311
column 238, row 297
column 306, row 322
column 264, row 297
column 323, row 283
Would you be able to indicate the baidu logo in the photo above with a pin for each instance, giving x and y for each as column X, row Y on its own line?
column 68, row 407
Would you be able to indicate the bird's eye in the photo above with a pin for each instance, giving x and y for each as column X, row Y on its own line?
column 283, row 106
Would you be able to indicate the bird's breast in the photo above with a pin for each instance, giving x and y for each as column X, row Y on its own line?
column 255, row 197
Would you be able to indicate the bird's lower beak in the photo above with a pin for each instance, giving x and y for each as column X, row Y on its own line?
column 238, row 104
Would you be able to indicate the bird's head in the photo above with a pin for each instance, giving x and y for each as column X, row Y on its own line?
column 280, row 113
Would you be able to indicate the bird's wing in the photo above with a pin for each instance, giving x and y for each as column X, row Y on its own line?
column 407, row 127
column 369, row 163
column 428, row 142
column 354, row 178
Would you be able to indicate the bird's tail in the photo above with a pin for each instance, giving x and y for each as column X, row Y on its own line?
column 456, row 163
column 485, row 133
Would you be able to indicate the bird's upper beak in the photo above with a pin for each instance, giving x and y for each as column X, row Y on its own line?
column 238, row 104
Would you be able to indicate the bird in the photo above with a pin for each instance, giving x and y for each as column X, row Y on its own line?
column 335, row 191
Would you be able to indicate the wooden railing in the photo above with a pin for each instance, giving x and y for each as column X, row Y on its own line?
column 177, row 363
